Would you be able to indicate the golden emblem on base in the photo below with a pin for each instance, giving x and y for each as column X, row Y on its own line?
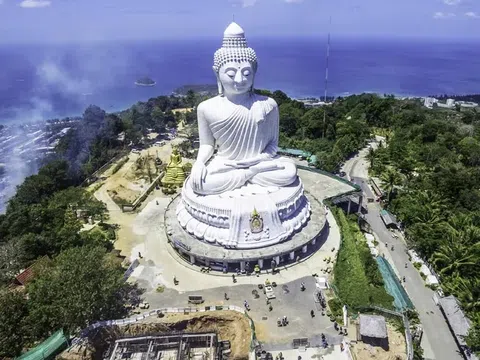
column 256, row 222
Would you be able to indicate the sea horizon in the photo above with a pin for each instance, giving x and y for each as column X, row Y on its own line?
column 48, row 81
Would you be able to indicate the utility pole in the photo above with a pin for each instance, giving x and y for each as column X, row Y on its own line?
column 326, row 78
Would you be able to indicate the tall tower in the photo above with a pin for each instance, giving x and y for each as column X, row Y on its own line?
column 326, row 78
column 327, row 59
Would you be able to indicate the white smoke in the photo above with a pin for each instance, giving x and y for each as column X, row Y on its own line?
column 52, row 75
column 96, row 69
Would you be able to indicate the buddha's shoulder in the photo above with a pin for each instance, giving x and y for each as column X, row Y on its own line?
column 209, row 104
column 266, row 100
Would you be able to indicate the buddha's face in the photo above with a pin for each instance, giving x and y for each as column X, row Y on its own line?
column 236, row 77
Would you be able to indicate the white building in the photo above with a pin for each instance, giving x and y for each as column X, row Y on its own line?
column 450, row 102
column 467, row 104
column 429, row 101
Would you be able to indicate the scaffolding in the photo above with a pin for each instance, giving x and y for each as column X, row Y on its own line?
column 179, row 346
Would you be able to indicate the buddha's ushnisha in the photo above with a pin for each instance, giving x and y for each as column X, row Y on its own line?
column 242, row 124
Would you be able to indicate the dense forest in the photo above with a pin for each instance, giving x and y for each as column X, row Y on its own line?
column 77, row 278
column 429, row 165
column 430, row 169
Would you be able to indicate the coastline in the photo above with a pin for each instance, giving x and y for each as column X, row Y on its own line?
column 125, row 105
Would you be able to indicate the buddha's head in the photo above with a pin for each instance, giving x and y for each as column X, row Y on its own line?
column 235, row 64
column 174, row 151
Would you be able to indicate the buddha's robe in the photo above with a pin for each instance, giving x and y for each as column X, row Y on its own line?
column 244, row 136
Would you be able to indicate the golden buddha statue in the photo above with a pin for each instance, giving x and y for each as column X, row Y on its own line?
column 174, row 174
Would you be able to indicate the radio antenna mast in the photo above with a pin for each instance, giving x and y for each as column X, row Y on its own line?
column 326, row 77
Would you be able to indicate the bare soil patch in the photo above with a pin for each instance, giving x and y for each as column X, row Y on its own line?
column 229, row 325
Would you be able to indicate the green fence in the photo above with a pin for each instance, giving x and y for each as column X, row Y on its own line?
column 48, row 349
column 253, row 340
column 393, row 286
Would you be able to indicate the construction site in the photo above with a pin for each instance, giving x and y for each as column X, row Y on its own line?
column 180, row 346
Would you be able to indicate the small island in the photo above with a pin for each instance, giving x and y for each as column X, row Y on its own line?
column 145, row 81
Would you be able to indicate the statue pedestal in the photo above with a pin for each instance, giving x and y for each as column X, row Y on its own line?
column 245, row 218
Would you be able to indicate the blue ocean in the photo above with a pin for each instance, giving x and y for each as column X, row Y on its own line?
column 48, row 81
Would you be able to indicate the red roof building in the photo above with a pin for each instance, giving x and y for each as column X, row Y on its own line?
column 28, row 274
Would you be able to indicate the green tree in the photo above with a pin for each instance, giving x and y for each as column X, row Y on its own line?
column 455, row 257
column 467, row 292
column 390, row 179
column 82, row 286
column 473, row 337
column 14, row 332
column 371, row 156
column 289, row 118
column 190, row 98
column 12, row 259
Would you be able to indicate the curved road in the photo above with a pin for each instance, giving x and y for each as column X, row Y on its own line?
column 437, row 341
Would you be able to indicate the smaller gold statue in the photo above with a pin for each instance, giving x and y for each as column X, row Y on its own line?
column 174, row 174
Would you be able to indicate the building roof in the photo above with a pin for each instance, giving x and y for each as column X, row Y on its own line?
column 455, row 317
column 373, row 326
column 388, row 218
column 313, row 159
column 294, row 152
column 27, row 275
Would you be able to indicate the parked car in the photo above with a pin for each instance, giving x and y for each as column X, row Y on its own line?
column 144, row 305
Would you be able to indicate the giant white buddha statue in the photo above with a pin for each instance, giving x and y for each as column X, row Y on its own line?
column 244, row 195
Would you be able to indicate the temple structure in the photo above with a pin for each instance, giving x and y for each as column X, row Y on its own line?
column 244, row 207
column 245, row 195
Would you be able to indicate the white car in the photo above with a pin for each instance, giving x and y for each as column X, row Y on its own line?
column 144, row 305
column 269, row 292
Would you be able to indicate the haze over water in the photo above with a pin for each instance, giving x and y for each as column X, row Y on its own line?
column 46, row 81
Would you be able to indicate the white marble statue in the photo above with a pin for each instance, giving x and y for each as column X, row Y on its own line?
column 242, row 124
column 245, row 180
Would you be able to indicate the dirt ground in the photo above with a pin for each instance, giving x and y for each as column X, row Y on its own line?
column 138, row 173
column 229, row 325
column 127, row 189
column 397, row 348
column 132, row 179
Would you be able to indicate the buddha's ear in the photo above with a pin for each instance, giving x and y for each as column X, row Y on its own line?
column 219, row 83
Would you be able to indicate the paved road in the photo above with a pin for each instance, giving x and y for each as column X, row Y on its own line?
column 438, row 342
column 290, row 301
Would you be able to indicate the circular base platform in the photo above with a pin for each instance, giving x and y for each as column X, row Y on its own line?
column 307, row 239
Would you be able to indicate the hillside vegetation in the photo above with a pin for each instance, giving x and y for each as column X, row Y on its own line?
column 430, row 167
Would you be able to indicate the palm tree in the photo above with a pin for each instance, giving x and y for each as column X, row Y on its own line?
column 390, row 180
column 433, row 207
column 455, row 257
column 467, row 291
column 371, row 156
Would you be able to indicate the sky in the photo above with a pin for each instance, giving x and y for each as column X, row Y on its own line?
column 39, row 21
